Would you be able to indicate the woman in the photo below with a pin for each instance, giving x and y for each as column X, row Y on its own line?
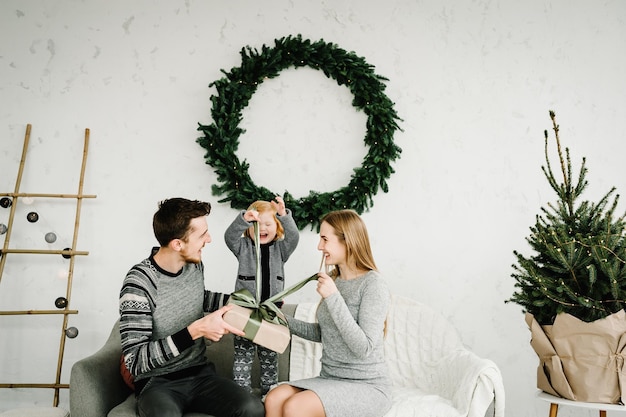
column 351, row 321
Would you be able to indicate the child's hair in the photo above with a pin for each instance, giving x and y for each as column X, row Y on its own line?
column 264, row 207
column 350, row 228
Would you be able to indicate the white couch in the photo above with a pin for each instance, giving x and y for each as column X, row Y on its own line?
column 434, row 375
column 432, row 371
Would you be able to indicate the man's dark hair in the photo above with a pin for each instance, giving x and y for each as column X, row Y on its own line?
column 172, row 219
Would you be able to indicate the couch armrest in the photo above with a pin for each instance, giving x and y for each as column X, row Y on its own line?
column 96, row 385
column 473, row 384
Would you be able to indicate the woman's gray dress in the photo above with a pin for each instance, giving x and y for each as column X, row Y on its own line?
column 353, row 380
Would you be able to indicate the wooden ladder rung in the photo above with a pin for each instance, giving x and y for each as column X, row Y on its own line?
column 68, row 252
column 34, row 312
column 41, row 195
column 25, row 385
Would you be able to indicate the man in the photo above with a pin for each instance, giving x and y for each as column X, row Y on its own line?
column 163, row 323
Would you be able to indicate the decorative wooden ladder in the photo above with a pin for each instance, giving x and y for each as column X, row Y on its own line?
column 68, row 253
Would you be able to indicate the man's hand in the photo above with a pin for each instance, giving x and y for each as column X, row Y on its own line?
column 212, row 326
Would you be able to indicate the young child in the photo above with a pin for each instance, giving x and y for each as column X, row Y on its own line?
column 278, row 239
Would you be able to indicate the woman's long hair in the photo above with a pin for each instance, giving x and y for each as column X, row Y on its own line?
column 350, row 228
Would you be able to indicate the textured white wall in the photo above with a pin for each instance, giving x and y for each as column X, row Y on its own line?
column 473, row 82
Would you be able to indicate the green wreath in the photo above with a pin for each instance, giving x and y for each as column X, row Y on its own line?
column 221, row 139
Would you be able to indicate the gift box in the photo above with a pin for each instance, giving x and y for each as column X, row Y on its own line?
column 263, row 323
column 262, row 332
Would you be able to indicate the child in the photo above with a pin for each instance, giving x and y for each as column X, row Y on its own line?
column 278, row 239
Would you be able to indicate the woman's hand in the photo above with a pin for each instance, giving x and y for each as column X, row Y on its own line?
column 325, row 285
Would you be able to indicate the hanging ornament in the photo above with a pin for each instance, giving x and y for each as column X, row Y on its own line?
column 3, row 228
column 60, row 302
column 28, row 200
column 50, row 237
column 5, row 202
column 71, row 332
column 32, row 217
column 67, row 256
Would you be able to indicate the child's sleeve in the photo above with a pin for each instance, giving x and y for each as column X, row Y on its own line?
column 214, row 300
column 234, row 232
column 292, row 235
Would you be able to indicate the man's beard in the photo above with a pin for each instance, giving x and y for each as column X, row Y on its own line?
column 192, row 259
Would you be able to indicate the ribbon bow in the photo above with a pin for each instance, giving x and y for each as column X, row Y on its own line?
column 266, row 310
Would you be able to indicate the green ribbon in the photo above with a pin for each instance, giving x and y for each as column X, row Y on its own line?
column 257, row 248
column 267, row 310
column 290, row 290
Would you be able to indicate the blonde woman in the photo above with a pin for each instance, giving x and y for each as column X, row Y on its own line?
column 351, row 317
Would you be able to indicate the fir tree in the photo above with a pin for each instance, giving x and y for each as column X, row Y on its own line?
column 579, row 262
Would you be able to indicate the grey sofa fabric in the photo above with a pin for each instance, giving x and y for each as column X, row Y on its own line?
column 97, row 388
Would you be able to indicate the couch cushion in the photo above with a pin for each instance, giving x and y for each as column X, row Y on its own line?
column 417, row 339
column 416, row 403
column 125, row 409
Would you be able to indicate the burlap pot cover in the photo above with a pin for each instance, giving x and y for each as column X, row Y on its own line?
column 581, row 361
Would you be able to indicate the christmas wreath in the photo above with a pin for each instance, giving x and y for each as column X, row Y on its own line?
column 234, row 90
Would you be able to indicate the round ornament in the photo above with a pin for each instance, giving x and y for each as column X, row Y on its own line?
column 32, row 217
column 221, row 139
column 3, row 228
column 65, row 255
column 71, row 332
column 50, row 237
column 60, row 302
column 5, row 202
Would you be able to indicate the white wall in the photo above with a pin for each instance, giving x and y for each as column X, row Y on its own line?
column 473, row 82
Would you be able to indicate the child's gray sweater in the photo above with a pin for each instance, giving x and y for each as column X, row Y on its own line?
column 243, row 248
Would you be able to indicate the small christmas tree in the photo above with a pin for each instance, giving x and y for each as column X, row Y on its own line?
column 579, row 265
